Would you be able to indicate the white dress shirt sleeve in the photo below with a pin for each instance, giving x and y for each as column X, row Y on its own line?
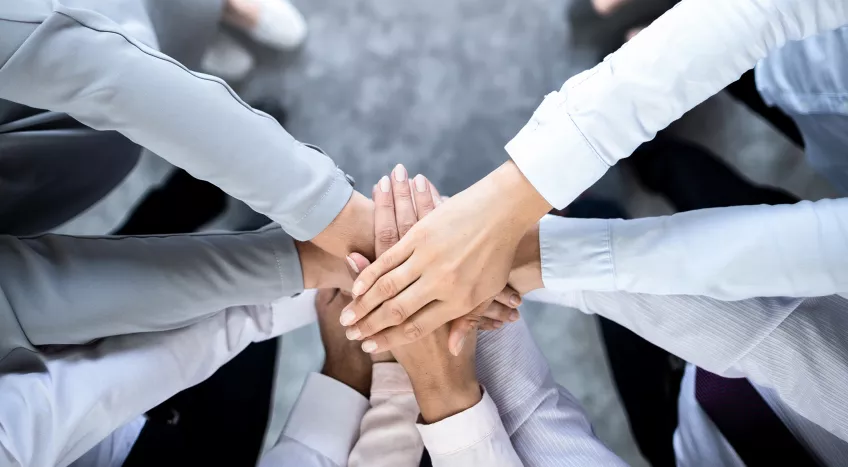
column 61, row 56
column 475, row 436
column 795, row 346
column 67, row 402
column 322, row 427
column 545, row 423
column 690, row 53
column 728, row 253
column 389, row 422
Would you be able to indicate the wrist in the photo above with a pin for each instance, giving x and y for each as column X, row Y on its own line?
column 352, row 231
column 352, row 372
column 526, row 274
column 525, row 205
column 440, row 401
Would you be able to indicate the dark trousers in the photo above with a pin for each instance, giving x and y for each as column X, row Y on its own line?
column 647, row 377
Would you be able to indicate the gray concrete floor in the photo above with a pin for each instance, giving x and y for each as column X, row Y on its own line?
column 441, row 86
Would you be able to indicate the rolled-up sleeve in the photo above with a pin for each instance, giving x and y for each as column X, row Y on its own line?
column 690, row 53
column 81, row 63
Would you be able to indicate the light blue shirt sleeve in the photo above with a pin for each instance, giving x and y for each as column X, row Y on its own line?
column 729, row 253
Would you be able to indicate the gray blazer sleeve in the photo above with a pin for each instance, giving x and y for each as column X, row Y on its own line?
column 57, row 289
column 79, row 62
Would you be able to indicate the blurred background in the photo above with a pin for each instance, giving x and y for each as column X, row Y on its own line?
column 441, row 86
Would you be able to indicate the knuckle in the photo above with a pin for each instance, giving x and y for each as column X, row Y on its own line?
column 406, row 225
column 387, row 235
column 397, row 313
column 386, row 261
column 413, row 331
column 387, row 287
column 384, row 202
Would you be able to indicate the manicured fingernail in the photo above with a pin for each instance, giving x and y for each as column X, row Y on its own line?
column 458, row 348
column 400, row 173
column 514, row 300
column 347, row 317
column 352, row 264
column 420, row 183
column 353, row 333
column 385, row 185
column 358, row 288
column 369, row 346
column 513, row 317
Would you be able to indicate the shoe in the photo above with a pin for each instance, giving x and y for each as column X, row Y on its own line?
column 274, row 23
column 227, row 59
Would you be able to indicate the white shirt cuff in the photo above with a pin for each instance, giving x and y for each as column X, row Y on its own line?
column 554, row 155
column 326, row 417
column 463, row 430
column 576, row 254
column 290, row 313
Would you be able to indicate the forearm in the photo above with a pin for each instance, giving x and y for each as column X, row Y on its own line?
column 79, row 62
column 779, row 343
column 545, row 423
column 79, row 396
column 389, row 422
column 687, row 55
column 143, row 284
column 726, row 253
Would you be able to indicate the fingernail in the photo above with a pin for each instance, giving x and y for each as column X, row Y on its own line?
column 458, row 348
column 513, row 317
column 498, row 324
column 514, row 300
column 369, row 346
column 358, row 288
column 400, row 172
column 347, row 317
column 352, row 264
column 353, row 333
column 420, row 183
column 385, row 184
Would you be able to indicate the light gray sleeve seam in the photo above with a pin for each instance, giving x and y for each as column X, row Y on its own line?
column 321, row 199
column 172, row 62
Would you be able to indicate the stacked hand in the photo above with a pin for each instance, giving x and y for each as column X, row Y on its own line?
column 398, row 205
column 444, row 384
column 345, row 361
column 452, row 264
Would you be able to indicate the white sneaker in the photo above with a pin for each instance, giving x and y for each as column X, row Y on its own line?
column 280, row 25
column 227, row 59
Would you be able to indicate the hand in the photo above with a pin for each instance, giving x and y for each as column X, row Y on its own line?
column 398, row 208
column 444, row 385
column 322, row 270
column 526, row 274
column 351, row 231
column 345, row 361
column 451, row 263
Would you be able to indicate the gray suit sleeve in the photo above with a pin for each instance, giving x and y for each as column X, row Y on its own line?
column 81, row 63
column 70, row 290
